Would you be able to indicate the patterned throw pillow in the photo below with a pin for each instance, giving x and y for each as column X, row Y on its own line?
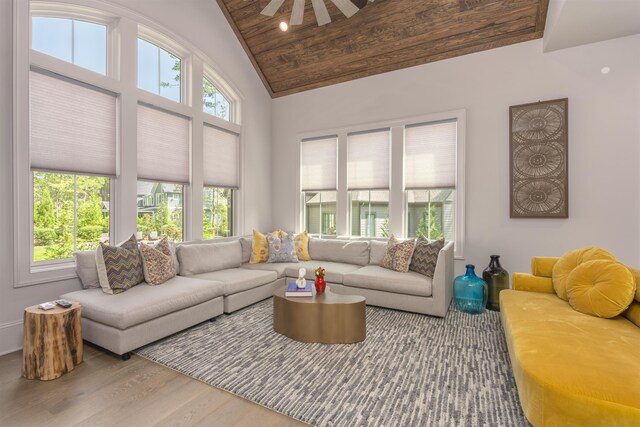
column 259, row 248
column 119, row 267
column 302, row 246
column 425, row 256
column 397, row 257
column 157, row 262
column 281, row 249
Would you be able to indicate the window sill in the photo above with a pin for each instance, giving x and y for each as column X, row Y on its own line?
column 41, row 274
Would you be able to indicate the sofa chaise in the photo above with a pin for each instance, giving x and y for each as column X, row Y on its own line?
column 216, row 277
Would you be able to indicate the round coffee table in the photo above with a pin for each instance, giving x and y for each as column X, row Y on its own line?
column 326, row 318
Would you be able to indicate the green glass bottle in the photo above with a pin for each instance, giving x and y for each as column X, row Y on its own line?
column 497, row 279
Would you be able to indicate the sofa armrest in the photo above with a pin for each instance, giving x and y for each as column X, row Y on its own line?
column 531, row 283
column 542, row 266
column 442, row 283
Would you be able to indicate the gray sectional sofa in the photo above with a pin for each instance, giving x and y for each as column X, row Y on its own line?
column 215, row 277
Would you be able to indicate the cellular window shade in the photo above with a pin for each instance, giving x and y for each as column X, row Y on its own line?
column 430, row 155
column 220, row 158
column 72, row 127
column 368, row 160
column 163, row 146
column 318, row 164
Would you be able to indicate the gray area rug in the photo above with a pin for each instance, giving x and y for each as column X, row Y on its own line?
column 412, row 370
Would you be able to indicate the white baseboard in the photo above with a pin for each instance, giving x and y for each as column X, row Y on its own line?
column 10, row 337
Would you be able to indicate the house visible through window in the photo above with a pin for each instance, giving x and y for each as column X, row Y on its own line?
column 370, row 213
column 80, row 42
column 163, row 217
column 431, row 214
column 213, row 102
column 320, row 212
column 159, row 71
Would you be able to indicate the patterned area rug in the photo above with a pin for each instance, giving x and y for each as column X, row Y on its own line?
column 412, row 370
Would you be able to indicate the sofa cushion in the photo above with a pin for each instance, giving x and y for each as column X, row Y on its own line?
column 206, row 257
column 636, row 276
column 281, row 248
column 245, row 242
column 570, row 368
column 425, row 256
column 334, row 270
column 601, row 288
column 382, row 279
column 279, row 268
column 633, row 313
column 342, row 251
column 571, row 260
column 157, row 263
column 239, row 279
column 87, row 269
column 377, row 248
column 397, row 257
column 119, row 267
column 144, row 302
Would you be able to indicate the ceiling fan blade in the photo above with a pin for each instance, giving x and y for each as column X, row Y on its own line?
column 272, row 7
column 297, row 13
column 346, row 7
column 322, row 14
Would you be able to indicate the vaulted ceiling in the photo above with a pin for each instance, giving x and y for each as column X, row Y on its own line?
column 385, row 35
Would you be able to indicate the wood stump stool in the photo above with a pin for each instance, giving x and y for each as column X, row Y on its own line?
column 52, row 342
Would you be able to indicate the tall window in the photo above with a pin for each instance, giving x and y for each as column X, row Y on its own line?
column 430, row 179
column 159, row 71
column 161, row 215
column 318, row 181
column 72, row 132
column 368, row 156
column 221, row 177
column 213, row 102
column 80, row 42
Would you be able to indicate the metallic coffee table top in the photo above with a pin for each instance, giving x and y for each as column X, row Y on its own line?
column 327, row 318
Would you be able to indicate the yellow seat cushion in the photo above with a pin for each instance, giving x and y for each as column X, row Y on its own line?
column 571, row 260
column 571, row 369
column 633, row 313
column 301, row 241
column 601, row 288
column 259, row 248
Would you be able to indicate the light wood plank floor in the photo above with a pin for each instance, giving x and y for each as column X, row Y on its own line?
column 105, row 391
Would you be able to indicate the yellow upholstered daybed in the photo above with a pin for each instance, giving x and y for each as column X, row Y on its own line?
column 571, row 369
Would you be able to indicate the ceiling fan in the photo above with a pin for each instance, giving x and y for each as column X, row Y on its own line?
column 347, row 7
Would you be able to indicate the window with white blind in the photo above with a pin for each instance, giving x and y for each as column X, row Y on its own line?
column 430, row 156
column 318, row 182
column 368, row 166
column 221, row 178
column 73, row 158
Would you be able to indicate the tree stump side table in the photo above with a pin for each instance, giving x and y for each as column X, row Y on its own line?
column 52, row 342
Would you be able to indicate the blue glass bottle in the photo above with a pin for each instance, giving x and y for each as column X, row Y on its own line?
column 470, row 292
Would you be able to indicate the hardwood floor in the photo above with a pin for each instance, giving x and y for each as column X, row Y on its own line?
column 105, row 391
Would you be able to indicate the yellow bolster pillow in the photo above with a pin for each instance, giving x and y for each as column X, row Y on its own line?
column 601, row 288
column 571, row 260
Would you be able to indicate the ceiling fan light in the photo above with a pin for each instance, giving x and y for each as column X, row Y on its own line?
column 283, row 26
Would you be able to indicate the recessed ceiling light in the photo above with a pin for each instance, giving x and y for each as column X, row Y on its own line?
column 605, row 70
column 283, row 26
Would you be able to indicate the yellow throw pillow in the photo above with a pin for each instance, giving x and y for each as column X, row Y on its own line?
column 601, row 288
column 259, row 248
column 302, row 246
column 571, row 260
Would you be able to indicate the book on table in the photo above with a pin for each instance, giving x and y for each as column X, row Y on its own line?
column 294, row 291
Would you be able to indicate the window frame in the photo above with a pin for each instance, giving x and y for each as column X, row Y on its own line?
column 211, row 81
column 398, row 200
column 123, row 29
column 151, row 37
column 155, row 202
column 231, row 217
column 351, row 201
column 321, row 216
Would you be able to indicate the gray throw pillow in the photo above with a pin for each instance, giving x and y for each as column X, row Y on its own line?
column 86, row 269
column 119, row 267
column 281, row 249
column 425, row 256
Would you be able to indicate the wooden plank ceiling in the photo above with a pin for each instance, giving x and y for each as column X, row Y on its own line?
column 385, row 35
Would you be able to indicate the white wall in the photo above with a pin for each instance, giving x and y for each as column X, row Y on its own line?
column 202, row 24
column 604, row 139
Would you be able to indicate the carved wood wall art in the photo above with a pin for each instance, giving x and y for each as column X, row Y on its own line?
column 538, row 140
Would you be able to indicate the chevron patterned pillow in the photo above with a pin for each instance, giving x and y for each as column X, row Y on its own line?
column 425, row 256
column 119, row 267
